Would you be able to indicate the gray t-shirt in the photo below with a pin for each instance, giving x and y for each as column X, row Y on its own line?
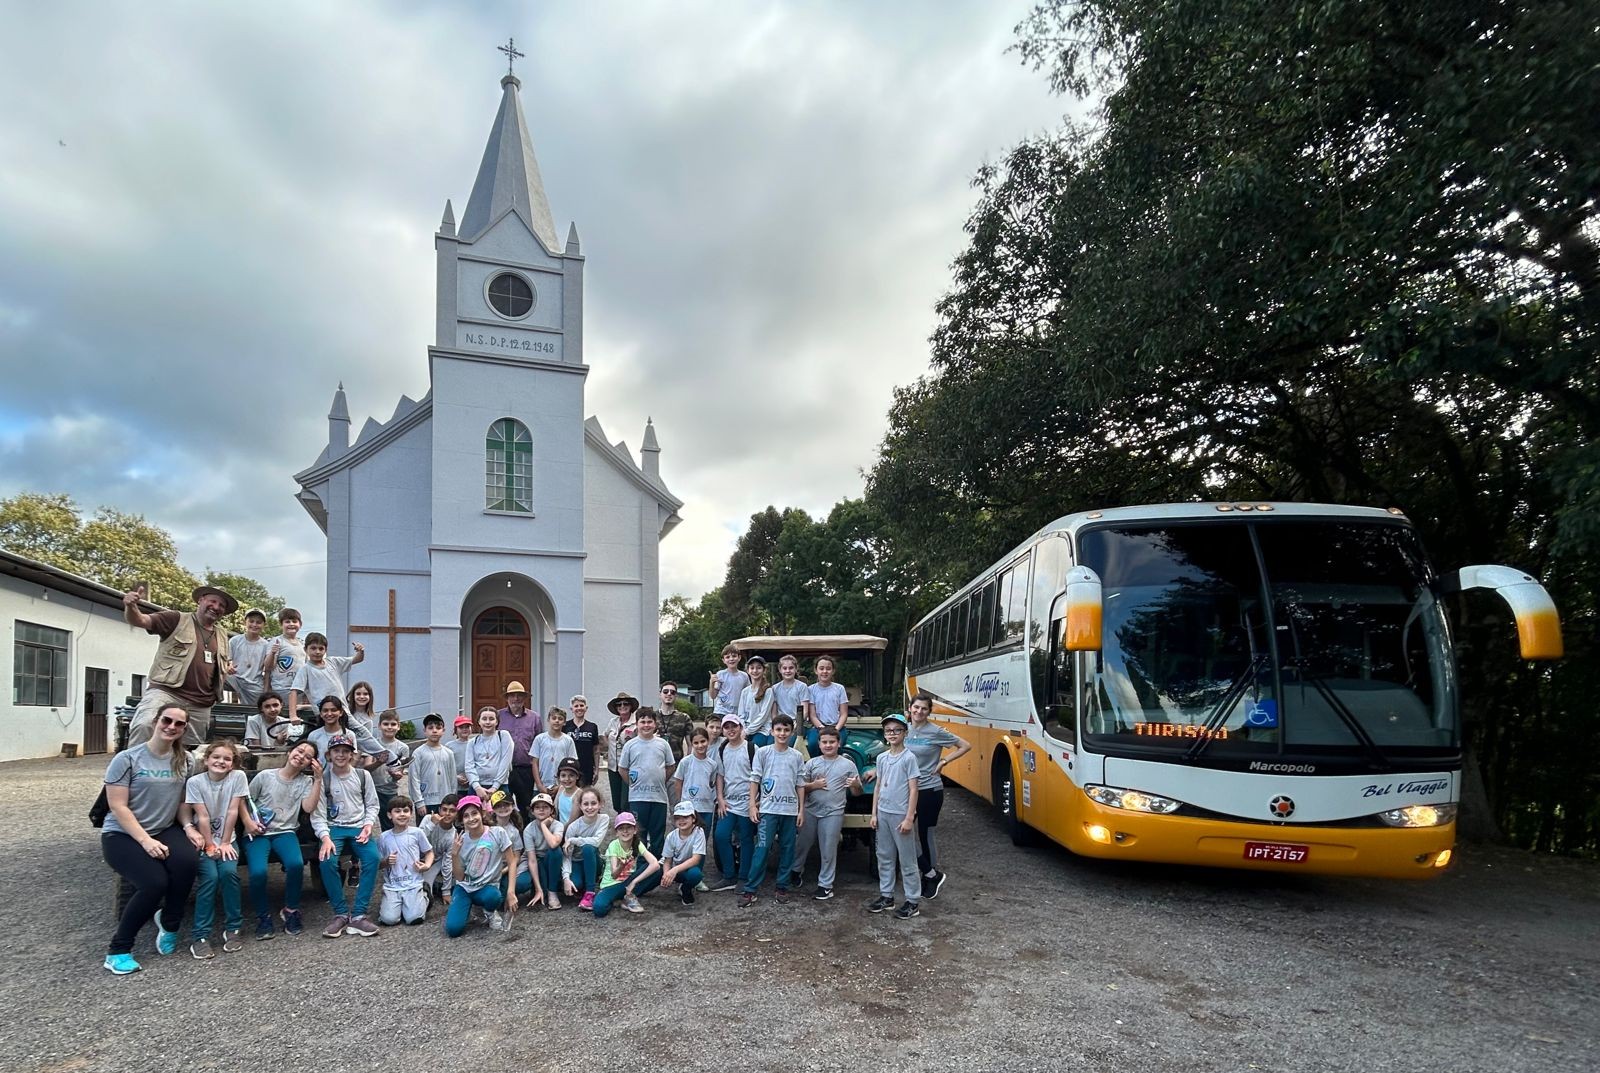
column 154, row 791
column 433, row 773
column 548, row 752
column 733, row 761
column 347, row 801
column 731, row 684
column 249, row 657
column 926, row 743
column 533, row 840
column 756, row 715
column 647, row 761
column 314, row 682
column 258, row 735
column 216, row 795
column 699, row 782
column 459, row 749
column 585, row 832
column 829, row 700
column 791, row 699
column 285, row 665
column 484, row 858
column 399, row 752
column 283, row 797
column 411, row 845
column 821, row 804
column 778, row 775
column 676, row 848
column 893, row 785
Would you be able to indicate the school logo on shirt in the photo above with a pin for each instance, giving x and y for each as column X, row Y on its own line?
column 285, row 661
column 767, row 784
column 633, row 778
column 694, row 791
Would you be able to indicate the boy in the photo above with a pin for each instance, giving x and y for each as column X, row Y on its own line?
column 249, row 654
column 388, row 776
column 829, row 779
column 542, row 841
column 433, row 767
column 285, row 658
column 645, row 765
column 322, row 675
column 727, row 684
column 458, row 746
column 268, row 729
column 344, row 818
column 407, row 854
column 894, row 818
column 549, row 748
column 734, row 756
column 780, row 806
column 440, row 827
column 683, row 852
column 585, row 735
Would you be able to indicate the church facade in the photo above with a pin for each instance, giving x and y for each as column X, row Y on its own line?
column 490, row 531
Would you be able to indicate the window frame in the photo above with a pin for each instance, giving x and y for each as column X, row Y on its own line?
column 41, row 644
column 504, row 474
column 489, row 296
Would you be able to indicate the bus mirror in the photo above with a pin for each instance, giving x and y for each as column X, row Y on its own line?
column 1080, row 629
column 1538, row 624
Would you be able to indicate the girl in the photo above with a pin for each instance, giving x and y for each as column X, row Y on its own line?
column 280, row 796
column 827, row 704
column 566, row 797
column 542, row 840
column 213, row 799
column 335, row 722
column 696, row 779
column 927, row 741
column 583, row 838
column 757, row 703
column 458, row 745
column 489, row 755
column 790, row 692
column 361, row 707
column 142, row 840
column 479, row 857
column 585, row 737
column 623, row 728
column 625, row 877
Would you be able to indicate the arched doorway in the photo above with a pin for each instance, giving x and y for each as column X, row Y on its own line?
column 501, row 652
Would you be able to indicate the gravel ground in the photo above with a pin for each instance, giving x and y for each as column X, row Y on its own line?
column 1030, row 959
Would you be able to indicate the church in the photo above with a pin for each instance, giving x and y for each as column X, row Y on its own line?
column 489, row 532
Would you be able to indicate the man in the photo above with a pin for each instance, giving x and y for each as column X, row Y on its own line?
column 191, row 665
column 524, row 726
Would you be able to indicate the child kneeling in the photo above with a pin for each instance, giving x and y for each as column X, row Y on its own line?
column 407, row 854
column 478, row 859
column 625, row 878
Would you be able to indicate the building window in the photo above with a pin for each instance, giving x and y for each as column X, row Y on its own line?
column 508, row 467
column 39, row 666
column 511, row 295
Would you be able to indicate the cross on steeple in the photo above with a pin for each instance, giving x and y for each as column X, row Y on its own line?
column 510, row 49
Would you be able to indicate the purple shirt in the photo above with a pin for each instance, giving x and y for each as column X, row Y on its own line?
column 522, row 732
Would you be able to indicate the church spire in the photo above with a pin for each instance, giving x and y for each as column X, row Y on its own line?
column 508, row 177
column 650, row 450
column 338, row 424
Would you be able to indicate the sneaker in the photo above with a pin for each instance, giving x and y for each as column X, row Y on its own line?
column 230, row 942
column 879, row 904
column 553, row 901
column 686, row 894
column 795, row 879
column 264, row 928
column 361, row 927
column 586, row 903
column 478, row 915
column 166, row 941
column 291, row 921
column 726, row 884
column 121, row 964
column 747, row 899
column 931, row 884
column 702, row 888
column 496, row 921
column 908, row 910
column 631, row 904
column 335, row 927
column 823, row 894
column 201, row 950
column 783, row 896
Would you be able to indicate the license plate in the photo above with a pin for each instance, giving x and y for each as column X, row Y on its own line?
column 1276, row 851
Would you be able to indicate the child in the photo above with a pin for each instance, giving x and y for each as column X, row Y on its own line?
column 406, row 854
column 543, row 841
column 322, row 675
column 734, row 757
column 696, row 779
column 280, row 796
column 790, row 692
column 344, row 819
column 727, row 684
column 894, row 818
column 585, row 736
column 829, row 779
column 479, row 858
column 779, row 808
column 439, row 825
column 489, row 755
column 827, row 704
column 285, row 658
column 212, row 798
column 757, row 703
column 268, row 728
column 248, row 651
column 389, row 775
column 684, row 852
column 549, row 749
column 433, row 767
column 583, row 840
column 625, row 878
column 646, row 763
column 361, row 707
column 458, row 746
column 503, row 813
column 336, row 724
column 566, row 796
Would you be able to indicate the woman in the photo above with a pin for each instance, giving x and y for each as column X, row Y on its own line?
column 280, row 796
column 623, row 706
column 927, row 741
column 142, row 840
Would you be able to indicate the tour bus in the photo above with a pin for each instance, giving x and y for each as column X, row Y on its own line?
column 1246, row 685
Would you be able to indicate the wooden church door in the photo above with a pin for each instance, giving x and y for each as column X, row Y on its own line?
column 501, row 652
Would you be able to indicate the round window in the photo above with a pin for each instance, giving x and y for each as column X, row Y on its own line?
column 510, row 295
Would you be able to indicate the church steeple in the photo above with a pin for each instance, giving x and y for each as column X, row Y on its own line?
column 338, row 424
column 650, row 450
column 508, row 177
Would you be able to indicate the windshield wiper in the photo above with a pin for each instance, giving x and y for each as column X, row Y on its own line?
column 1348, row 717
column 1225, row 704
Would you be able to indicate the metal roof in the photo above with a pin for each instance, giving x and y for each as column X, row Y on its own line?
column 812, row 644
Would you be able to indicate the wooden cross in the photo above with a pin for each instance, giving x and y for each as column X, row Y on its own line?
column 394, row 630
column 510, row 49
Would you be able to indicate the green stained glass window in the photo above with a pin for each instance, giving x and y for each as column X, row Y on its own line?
column 508, row 467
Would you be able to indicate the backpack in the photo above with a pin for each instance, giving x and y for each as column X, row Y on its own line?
column 749, row 750
column 99, row 810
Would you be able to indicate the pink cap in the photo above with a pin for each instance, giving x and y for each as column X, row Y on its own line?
column 622, row 818
column 470, row 801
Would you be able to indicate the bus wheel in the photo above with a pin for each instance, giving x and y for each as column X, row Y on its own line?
column 1005, row 802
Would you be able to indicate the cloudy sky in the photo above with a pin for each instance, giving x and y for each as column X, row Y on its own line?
column 210, row 214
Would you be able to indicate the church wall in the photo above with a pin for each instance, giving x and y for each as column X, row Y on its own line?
column 389, row 493
column 511, row 240
column 611, row 533
column 611, row 655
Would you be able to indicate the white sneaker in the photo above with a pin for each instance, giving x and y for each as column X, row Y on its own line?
column 497, row 922
column 631, row 904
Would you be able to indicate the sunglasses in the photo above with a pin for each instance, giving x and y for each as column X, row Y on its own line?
column 168, row 721
column 669, row 692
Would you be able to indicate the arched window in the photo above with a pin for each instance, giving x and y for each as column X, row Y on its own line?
column 508, row 467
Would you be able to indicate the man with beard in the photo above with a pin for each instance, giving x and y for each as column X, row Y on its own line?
column 191, row 665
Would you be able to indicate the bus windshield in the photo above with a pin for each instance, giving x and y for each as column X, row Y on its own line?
column 1279, row 637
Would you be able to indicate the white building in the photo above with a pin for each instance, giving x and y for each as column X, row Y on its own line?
column 70, row 659
column 490, row 532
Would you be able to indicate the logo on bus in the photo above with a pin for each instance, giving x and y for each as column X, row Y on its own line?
column 1281, row 807
column 985, row 685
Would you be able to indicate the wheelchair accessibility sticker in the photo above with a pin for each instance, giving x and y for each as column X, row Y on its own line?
column 1264, row 714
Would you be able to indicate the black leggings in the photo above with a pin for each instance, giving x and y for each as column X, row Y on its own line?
column 929, row 802
column 158, row 883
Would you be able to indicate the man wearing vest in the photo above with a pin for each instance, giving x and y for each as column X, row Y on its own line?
column 191, row 665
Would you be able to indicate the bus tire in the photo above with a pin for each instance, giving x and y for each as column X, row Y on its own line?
column 1004, row 786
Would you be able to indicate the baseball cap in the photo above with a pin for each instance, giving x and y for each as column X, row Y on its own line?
column 896, row 717
column 542, row 799
column 731, row 718
column 339, row 741
column 624, row 818
column 463, row 720
column 498, row 798
column 683, row 808
column 470, row 801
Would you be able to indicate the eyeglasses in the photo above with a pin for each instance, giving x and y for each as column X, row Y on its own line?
column 168, row 721
column 669, row 692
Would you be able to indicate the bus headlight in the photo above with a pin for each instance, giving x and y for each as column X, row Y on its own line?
column 1132, row 800
column 1419, row 816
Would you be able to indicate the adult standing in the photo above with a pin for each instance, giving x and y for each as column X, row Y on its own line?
column 191, row 665
column 585, row 736
column 622, row 730
column 142, row 841
column 523, row 725
column 927, row 741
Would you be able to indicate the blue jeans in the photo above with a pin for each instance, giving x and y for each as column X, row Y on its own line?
column 735, row 825
column 461, row 902
column 814, row 740
column 761, row 739
column 608, row 896
column 258, row 852
column 586, row 869
column 366, row 854
column 773, row 828
column 216, row 874
column 550, row 872
column 652, row 817
column 689, row 878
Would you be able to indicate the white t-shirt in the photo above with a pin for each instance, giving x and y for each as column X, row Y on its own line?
column 647, row 761
column 249, row 657
column 314, row 682
column 829, row 701
column 216, row 795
